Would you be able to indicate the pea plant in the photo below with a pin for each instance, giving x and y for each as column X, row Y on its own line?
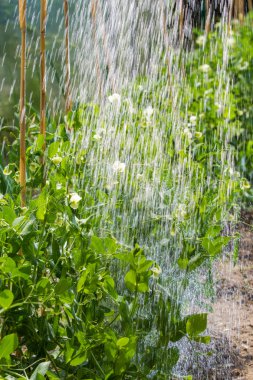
column 76, row 300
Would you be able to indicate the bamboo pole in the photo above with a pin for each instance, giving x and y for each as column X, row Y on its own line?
column 250, row 5
column 208, row 17
column 230, row 13
column 165, row 37
column 235, row 9
column 67, row 58
column 22, row 120
column 181, row 20
column 241, row 9
column 94, row 6
column 43, row 16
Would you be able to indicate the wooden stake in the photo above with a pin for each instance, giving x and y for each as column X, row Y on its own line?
column 241, row 9
column 43, row 16
column 94, row 6
column 22, row 120
column 68, row 104
column 250, row 5
column 181, row 20
column 208, row 17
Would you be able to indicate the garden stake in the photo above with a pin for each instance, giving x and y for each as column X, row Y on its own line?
column 230, row 13
column 94, row 6
column 181, row 20
column 250, row 5
column 165, row 36
column 67, row 58
column 241, row 10
column 22, row 165
column 43, row 16
column 208, row 17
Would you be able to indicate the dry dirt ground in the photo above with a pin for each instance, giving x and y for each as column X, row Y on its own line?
column 232, row 317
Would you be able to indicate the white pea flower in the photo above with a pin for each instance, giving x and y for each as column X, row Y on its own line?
column 244, row 66
column 208, row 92
column 244, row 184
column 2, row 200
column 181, row 212
column 201, row 40
column 56, row 159
column 131, row 108
column 115, row 99
column 119, row 167
column 7, row 171
column 187, row 133
column 193, row 120
column 140, row 176
column 220, row 107
column 58, row 186
column 205, row 68
column 148, row 112
column 74, row 200
column 97, row 137
column 156, row 271
column 231, row 41
column 198, row 135
column 111, row 186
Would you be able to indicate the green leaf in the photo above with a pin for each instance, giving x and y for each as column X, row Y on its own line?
column 8, row 345
column 97, row 245
column 195, row 261
column 82, row 280
column 214, row 246
column 41, row 369
column 202, row 339
column 173, row 354
column 103, row 245
column 42, row 284
column 52, row 376
column 40, row 377
column 6, row 299
column 122, row 342
column 63, row 285
column 142, row 287
column 53, row 149
column 213, row 231
column 183, row 262
column 144, row 266
column 79, row 359
column 39, row 143
column 7, row 265
column 42, row 205
column 196, row 324
column 8, row 214
column 130, row 280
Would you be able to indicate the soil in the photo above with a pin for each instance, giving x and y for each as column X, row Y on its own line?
column 232, row 317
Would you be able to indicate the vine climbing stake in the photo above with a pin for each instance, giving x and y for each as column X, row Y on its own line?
column 22, row 118
column 67, row 58
column 43, row 16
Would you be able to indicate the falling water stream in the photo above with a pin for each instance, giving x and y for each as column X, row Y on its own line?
column 148, row 195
